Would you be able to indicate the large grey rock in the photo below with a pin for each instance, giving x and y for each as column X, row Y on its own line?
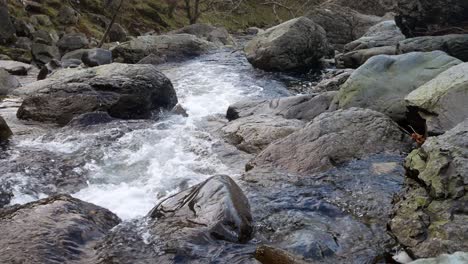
column 187, row 227
column 385, row 33
column 356, row 58
column 124, row 91
column 442, row 102
column 254, row 133
column 43, row 53
column 430, row 217
column 297, row 44
column 72, row 41
column 68, row 16
column 456, row 45
column 303, row 107
column 117, row 33
column 455, row 258
column 342, row 24
column 7, row 82
column 96, row 57
column 383, row 81
column 217, row 35
column 175, row 47
column 59, row 229
column 333, row 138
column 7, row 29
column 431, row 17
column 5, row 131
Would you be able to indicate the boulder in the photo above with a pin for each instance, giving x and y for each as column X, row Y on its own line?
column 455, row 258
column 23, row 28
column 40, row 20
column 43, row 53
column 456, row 45
column 68, row 16
column 23, row 43
column 72, row 41
column 342, row 24
column 332, row 80
column 124, row 91
column 43, row 37
column 297, row 44
column 175, row 47
column 431, row 216
column 5, row 131
column 153, row 59
column 254, row 133
column 96, row 57
column 7, row 82
column 13, row 66
column 59, row 229
column 383, row 81
column 213, row 216
column 431, row 17
column 117, row 33
column 333, row 138
column 7, row 29
column 302, row 107
column 385, row 33
column 217, row 35
column 356, row 58
column 442, row 102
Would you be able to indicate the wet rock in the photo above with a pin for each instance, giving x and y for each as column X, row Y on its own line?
column 5, row 195
column 342, row 24
column 254, row 133
column 302, row 107
column 96, row 57
column 59, row 229
column 455, row 258
column 217, row 35
column 385, row 33
column 333, row 138
column 431, row 216
column 430, row 17
column 117, row 33
column 7, row 29
column 175, row 47
column 356, row 58
column 68, row 15
column 7, row 82
column 90, row 119
column 48, row 68
column 268, row 255
column 441, row 102
column 456, row 45
column 297, row 44
column 72, row 41
column 213, row 216
column 71, row 63
column 43, row 53
column 5, row 131
column 124, row 91
column 383, row 81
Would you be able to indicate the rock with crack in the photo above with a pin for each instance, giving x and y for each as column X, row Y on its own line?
column 124, row 91
column 431, row 217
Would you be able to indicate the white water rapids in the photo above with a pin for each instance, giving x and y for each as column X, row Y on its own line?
column 137, row 169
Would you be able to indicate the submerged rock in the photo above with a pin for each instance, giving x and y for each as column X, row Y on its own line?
column 194, row 226
column 333, row 138
column 124, row 91
column 5, row 131
column 297, row 44
column 59, row 229
column 382, row 83
column 442, row 102
column 431, row 216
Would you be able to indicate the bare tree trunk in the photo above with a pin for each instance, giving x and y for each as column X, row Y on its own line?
column 114, row 16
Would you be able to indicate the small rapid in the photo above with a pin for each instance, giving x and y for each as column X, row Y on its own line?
column 131, row 165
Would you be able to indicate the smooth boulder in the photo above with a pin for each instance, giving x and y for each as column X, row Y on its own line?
column 7, row 82
column 123, row 90
column 59, row 229
column 175, row 47
column 43, row 53
column 455, row 45
column 72, row 41
column 431, row 216
column 442, row 102
column 333, row 138
column 297, row 44
column 383, row 81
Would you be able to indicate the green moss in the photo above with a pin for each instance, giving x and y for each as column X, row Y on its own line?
column 17, row 54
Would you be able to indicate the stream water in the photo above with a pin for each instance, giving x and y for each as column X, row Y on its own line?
column 130, row 165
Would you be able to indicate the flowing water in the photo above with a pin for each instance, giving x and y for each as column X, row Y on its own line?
column 130, row 165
